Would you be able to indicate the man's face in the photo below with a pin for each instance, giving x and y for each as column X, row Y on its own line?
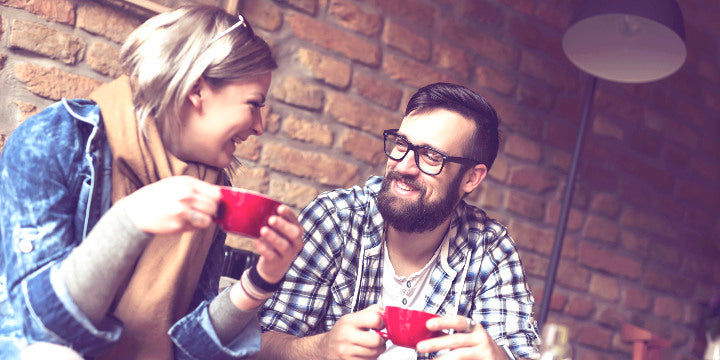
column 412, row 201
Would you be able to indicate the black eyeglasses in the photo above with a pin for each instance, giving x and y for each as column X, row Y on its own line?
column 427, row 159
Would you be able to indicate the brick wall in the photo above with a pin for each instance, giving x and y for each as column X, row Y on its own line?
column 642, row 242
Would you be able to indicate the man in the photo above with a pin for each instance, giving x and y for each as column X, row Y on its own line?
column 409, row 240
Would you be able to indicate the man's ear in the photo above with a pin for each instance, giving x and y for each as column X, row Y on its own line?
column 473, row 177
column 196, row 93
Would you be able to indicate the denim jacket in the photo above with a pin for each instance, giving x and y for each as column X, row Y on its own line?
column 54, row 185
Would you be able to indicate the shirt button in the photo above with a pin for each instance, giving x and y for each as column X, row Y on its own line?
column 408, row 284
column 25, row 246
column 404, row 301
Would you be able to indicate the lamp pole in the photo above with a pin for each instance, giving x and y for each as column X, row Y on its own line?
column 565, row 210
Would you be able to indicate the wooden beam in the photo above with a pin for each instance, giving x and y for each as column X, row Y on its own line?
column 148, row 5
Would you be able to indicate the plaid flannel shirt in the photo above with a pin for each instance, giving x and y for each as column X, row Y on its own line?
column 479, row 274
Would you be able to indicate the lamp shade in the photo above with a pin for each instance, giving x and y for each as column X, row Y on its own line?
column 629, row 41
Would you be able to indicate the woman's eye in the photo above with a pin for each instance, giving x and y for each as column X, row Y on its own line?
column 257, row 104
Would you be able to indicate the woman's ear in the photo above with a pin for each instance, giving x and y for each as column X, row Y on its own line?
column 196, row 93
column 473, row 177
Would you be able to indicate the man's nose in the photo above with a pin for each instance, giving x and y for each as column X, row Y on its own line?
column 407, row 165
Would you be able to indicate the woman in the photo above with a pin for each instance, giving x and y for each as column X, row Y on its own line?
column 108, row 243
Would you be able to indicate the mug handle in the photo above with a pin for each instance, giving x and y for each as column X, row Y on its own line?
column 383, row 334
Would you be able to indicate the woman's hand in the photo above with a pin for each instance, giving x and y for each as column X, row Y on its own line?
column 173, row 205
column 279, row 243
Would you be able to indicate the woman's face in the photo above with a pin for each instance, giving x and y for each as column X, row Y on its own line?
column 215, row 120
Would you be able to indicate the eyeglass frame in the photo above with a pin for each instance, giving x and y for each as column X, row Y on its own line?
column 241, row 22
column 410, row 146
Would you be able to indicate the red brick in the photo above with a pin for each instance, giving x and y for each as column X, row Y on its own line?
column 308, row 6
column 416, row 11
column 353, row 17
column 298, row 92
column 411, row 72
column 557, row 300
column 255, row 179
column 571, row 275
column 101, row 20
column 526, row 205
column 610, row 316
column 575, row 218
column 406, row 41
column 617, row 105
column 559, row 76
column 605, row 287
column 292, row 193
column 499, row 170
column 601, row 229
column 325, row 68
column 535, row 95
column 580, row 307
column 381, row 92
column 530, row 236
column 595, row 336
column 669, row 282
column 698, row 194
column 25, row 110
column 533, row 178
column 331, row 38
column 362, row 146
column 562, row 135
column 498, row 80
column 605, row 126
column 358, row 115
column 486, row 45
column 307, row 130
column 104, row 59
column 52, row 83
column 490, row 199
column 599, row 258
column 451, row 58
column 669, row 308
column 311, row 165
column 523, row 148
column 515, row 119
column 553, row 15
column 646, row 142
column 249, row 149
column 536, row 38
column 263, row 14
column 637, row 219
column 524, row 6
column 481, row 12
column 639, row 167
column 605, row 204
column 59, row 11
column 634, row 242
column 534, row 265
column 664, row 253
column 46, row 41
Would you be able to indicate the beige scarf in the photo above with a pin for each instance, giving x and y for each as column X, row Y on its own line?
column 159, row 290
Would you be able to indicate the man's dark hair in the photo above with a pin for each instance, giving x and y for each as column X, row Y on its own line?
column 485, row 140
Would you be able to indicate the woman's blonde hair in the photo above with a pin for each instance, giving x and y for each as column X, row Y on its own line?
column 165, row 56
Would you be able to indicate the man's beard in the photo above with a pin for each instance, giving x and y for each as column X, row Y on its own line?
column 416, row 216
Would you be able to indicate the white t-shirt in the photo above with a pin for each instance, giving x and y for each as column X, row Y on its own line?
column 406, row 292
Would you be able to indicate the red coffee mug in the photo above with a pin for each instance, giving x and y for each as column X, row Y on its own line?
column 406, row 327
column 244, row 211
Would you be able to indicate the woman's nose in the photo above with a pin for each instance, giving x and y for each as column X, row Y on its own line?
column 257, row 126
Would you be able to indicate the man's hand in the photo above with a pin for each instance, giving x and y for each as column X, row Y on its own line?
column 352, row 338
column 470, row 341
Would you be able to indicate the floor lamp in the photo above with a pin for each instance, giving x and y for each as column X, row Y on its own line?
column 628, row 41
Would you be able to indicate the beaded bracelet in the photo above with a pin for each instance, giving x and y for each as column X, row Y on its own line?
column 261, row 283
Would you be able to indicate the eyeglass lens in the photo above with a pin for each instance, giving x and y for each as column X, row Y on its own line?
column 427, row 160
